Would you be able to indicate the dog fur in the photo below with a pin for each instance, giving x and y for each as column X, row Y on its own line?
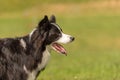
column 23, row 58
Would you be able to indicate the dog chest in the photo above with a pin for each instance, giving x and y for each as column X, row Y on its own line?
column 45, row 59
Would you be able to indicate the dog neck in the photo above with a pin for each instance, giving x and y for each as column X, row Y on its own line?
column 38, row 52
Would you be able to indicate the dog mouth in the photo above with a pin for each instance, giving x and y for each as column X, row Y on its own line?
column 59, row 48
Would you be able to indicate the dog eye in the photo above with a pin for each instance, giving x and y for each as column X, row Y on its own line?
column 55, row 35
column 59, row 35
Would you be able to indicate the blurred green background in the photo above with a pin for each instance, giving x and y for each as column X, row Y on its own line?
column 94, row 55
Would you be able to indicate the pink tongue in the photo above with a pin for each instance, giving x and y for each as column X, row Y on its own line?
column 59, row 48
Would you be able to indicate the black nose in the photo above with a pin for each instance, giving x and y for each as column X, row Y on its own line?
column 72, row 38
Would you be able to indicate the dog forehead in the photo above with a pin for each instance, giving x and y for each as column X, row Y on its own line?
column 57, row 27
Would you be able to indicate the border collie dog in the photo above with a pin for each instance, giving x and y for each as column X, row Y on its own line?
column 23, row 58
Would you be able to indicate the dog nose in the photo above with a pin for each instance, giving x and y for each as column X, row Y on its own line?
column 72, row 38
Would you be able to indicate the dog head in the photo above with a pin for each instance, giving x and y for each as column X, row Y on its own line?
column 53, row 35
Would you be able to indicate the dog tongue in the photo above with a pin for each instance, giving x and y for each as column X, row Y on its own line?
column 59, row 48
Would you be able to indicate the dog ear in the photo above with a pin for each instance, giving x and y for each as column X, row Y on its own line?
column 44, row 25
column 53, row 19
column 43, row 21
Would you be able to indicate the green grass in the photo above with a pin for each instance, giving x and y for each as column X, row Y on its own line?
column 19, row 5
column 13, row 27
column 94, row 55
column 22, row 5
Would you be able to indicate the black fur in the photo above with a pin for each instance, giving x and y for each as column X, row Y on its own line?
column 13, row 56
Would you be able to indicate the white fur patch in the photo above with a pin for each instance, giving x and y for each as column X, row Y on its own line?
column 30, row 35
column 56, row 26
column 45, row 59
column 23, row 44
column 64, row 39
